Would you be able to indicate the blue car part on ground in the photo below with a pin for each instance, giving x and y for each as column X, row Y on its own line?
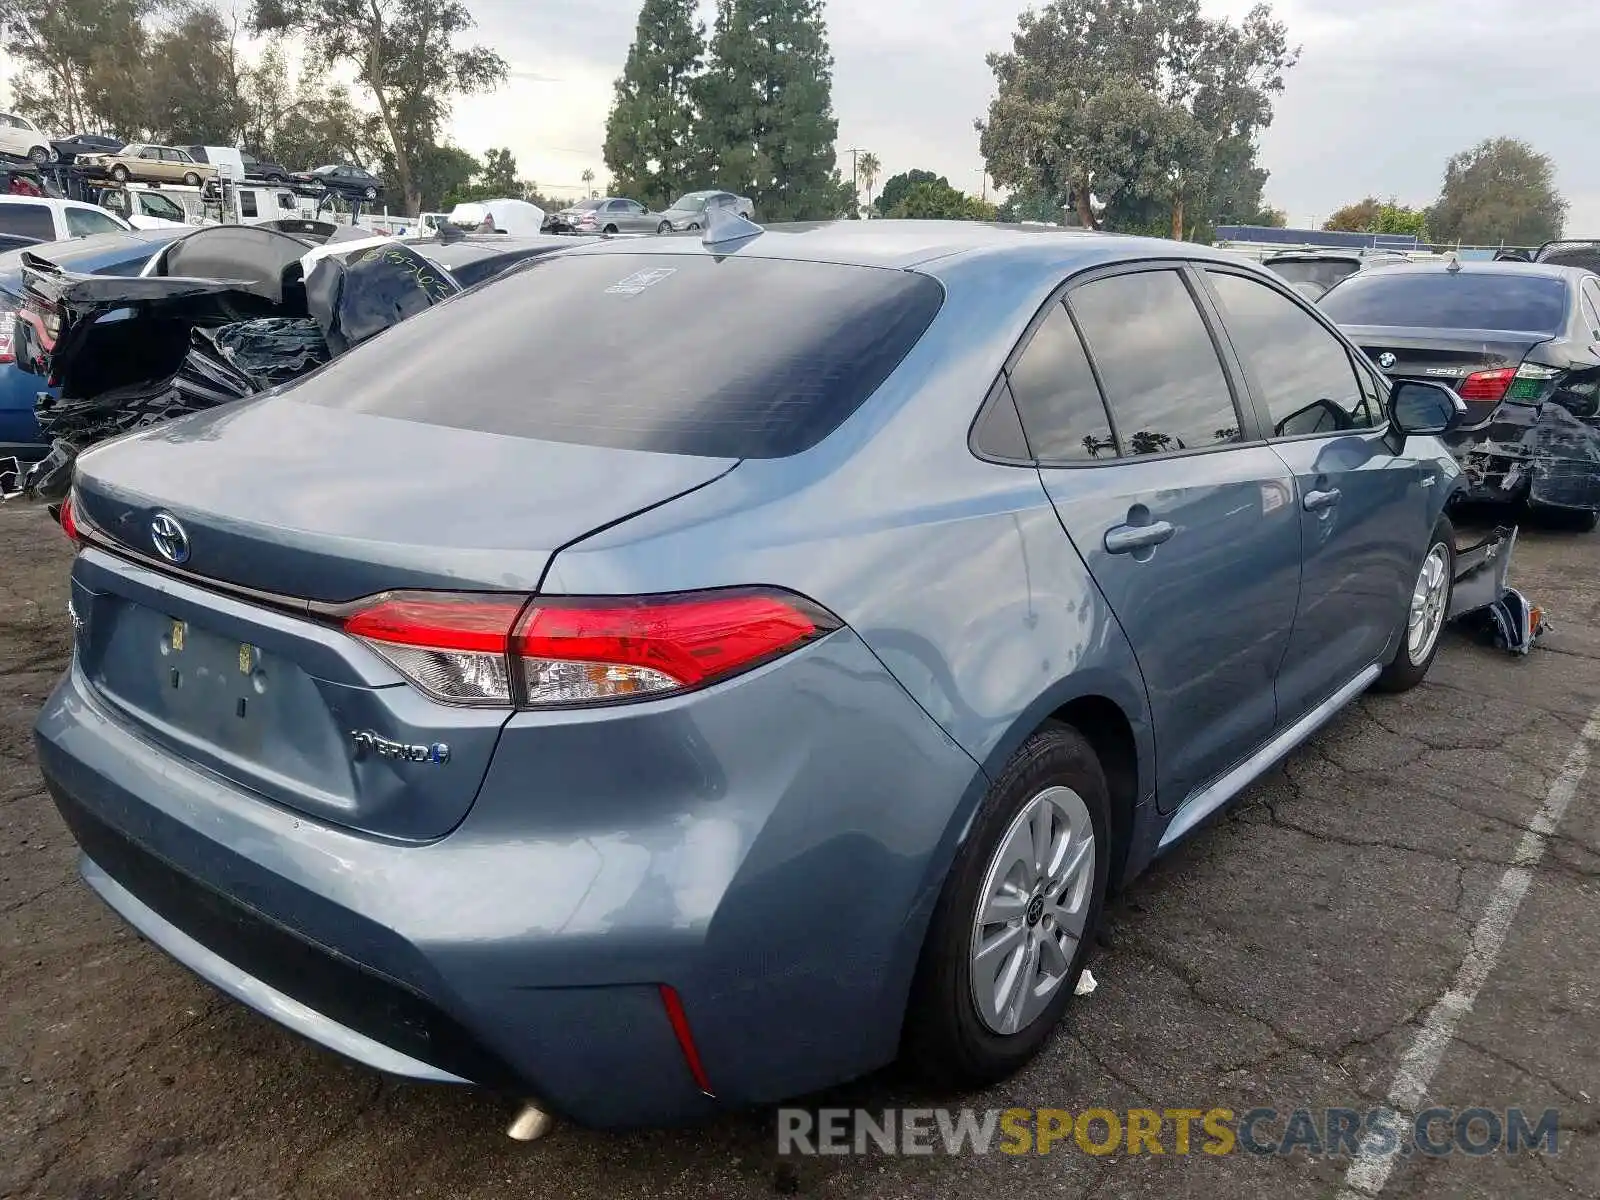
column 781, row 647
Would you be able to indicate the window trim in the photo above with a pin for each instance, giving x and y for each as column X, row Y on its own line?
column 1359, row 362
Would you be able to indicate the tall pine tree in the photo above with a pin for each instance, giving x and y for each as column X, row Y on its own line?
column 651, row 137
column 769, row 127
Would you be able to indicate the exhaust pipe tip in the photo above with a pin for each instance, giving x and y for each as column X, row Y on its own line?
column 531, row 1124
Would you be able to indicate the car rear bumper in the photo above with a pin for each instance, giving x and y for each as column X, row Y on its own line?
column 781, row 890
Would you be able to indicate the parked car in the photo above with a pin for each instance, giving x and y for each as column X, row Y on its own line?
column 150, row 164
column 21, row 137
column 122, row 253
column 690, row 212
column 1520, row 343
column 348, row 181
column 504, row 216
column 70, row 148
column 51, row 219
column 260, row 168
column 1313, row 272
column 610, row 214
column 751, row 699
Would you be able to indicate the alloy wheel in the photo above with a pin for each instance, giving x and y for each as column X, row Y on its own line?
column 1428, row 601
column 1031, row 911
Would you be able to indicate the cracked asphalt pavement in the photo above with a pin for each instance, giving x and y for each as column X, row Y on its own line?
column 1286, row 957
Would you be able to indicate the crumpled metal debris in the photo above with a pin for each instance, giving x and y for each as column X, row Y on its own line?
column 116, row 346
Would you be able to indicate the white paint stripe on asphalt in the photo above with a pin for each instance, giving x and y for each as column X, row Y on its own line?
column 1370, row 1169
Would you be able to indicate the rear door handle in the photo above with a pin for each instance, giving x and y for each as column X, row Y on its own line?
column 1125, row 539
column 1316, row 501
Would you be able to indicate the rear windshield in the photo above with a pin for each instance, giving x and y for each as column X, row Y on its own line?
column 737, row 357
column 1444, row 300
column 1323, row 272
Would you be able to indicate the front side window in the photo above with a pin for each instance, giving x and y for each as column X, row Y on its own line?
column 154, row 205
column 247, row 204
column 1057, row 397
column 1162, row 378
column 1304, row 373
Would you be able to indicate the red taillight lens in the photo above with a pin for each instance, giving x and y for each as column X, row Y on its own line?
column 69, row 521
column 8, row 319
column 1487, row 385
column 472, row 649
column 594, row 650
column 451, row 646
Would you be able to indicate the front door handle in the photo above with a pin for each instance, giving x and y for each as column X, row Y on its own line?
column 1126, row 539
column 1317, row 501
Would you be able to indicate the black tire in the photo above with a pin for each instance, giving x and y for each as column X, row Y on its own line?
column 1402, row 674
column 191, row 178
column 39, row 154
column 371, row 193
column 945, row 1040
column 609, row 229
column 694, row 226
column 664, row 227
column 119, row 173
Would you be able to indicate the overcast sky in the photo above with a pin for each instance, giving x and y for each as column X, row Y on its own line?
column 1385, row 91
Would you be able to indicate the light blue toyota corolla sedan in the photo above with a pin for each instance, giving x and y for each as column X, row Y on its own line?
column 643, row 716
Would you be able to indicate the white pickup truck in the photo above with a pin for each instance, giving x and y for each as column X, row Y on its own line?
column 51, row 220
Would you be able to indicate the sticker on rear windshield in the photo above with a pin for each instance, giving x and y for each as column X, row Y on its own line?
column 639, row 280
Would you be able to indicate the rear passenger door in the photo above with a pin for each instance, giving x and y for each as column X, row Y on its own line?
column 1364, row 520
column 1184, row 521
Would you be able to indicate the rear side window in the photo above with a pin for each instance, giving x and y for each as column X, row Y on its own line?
column 1057, row 397
column 1162, row 378
column 1427, row 299
column 1303, row 371
column 737, row 357
column 28, row 220
column 247, row 205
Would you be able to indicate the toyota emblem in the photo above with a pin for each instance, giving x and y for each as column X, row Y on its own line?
column 169, row 538
column 1386, row 360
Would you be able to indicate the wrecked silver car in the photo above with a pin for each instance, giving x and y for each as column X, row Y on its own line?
column 1520, row 343
column 218, row 315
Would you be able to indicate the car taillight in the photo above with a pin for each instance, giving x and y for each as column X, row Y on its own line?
column 1487, row 385
column 8, row 317
column 1532, row 382
column 554, row 651
column 69, row 521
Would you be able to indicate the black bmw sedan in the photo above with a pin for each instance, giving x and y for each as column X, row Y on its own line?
column 1520, row 343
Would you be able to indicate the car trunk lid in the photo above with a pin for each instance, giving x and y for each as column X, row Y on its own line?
column 234, row 659
column 1448, row 357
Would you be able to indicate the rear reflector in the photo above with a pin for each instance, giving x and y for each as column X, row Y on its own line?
column 1487, row 385
column 474, row 649
column 680, row 1029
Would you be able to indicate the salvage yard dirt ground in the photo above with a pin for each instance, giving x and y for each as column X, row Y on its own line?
column 1292, row 955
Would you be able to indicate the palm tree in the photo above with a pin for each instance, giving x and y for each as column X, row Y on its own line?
column 868, row 169
column 588, row 180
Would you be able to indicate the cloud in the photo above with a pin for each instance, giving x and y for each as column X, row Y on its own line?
column 1385, row 91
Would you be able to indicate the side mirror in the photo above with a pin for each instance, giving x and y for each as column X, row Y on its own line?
column 1424, row 408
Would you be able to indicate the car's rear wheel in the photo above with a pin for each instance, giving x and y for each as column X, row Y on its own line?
column 694, row 226
column 664, row 227
column 610, row 229
column 191, row 178
column 119, row 173
column 371, row 193
column 1012, row 927
column 1425, row 614
column 1568, row 520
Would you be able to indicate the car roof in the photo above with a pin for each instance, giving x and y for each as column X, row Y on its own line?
column 476, row 247
column 1521, row 269
column 904, row 244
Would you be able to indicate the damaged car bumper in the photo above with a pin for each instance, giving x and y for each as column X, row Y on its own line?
column 1540, row 454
